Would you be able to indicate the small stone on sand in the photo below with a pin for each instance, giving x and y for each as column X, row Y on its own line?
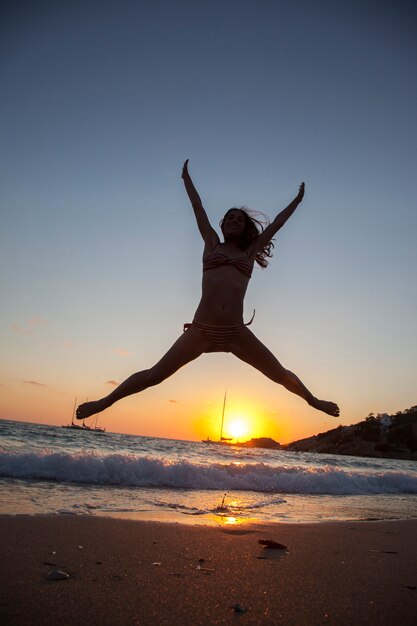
column 274, row 545
column 57, row 574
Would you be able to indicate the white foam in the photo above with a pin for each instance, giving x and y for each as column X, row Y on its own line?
column 134, row 471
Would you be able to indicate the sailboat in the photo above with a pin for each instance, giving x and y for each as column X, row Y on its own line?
column 94, row 426
column 222, row 440
column 73, row 424
column 84, row 426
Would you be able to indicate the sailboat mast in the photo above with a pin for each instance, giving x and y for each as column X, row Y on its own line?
column 224, row 406
column 73, row 411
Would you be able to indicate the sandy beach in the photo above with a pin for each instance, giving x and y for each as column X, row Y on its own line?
column 135, row 572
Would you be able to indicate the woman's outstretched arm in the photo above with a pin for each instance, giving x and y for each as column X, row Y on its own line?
column 207, row 231
column 266, row 236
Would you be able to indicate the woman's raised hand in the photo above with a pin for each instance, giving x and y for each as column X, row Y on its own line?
column 185, row 169
column 300, row 194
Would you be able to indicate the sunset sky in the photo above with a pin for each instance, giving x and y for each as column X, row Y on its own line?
column 101, row 103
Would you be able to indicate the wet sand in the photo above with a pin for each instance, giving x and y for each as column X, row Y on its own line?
column 134, row 572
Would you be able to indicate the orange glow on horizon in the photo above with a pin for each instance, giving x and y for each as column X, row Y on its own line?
column 191, row 418
column 242, row 421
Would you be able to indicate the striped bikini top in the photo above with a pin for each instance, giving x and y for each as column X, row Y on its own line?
column 217, row 259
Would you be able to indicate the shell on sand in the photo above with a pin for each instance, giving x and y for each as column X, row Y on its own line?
column 57, row 574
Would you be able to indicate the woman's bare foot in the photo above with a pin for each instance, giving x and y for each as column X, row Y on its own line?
column 90, row 408
column 327, row 407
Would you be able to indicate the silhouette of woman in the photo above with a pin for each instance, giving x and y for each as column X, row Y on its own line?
column 218, row 321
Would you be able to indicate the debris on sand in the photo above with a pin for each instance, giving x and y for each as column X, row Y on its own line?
column 272, row 545
column 57, row 574
column 205, row 569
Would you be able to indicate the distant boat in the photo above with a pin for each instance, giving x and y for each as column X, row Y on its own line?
column 222, row 440
column 84, row 426
column 73, row 424
column 94, row 426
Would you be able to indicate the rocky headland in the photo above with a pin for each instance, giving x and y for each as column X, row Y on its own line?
column 381, row 435
column 260, row 442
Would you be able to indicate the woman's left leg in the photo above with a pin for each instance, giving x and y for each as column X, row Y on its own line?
column 247, row 347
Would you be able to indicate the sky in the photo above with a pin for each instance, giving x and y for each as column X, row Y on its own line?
column 100, row 256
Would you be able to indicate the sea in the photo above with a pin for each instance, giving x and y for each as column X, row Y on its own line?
column 60, row 471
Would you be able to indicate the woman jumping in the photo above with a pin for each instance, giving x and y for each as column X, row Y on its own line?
column 218, row 322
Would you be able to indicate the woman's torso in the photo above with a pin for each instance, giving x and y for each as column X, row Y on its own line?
column 226, row 274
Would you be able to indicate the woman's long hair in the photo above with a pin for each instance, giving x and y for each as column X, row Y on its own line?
column 253, row 228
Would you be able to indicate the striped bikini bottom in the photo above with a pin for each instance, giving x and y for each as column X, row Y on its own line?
column 220, row 336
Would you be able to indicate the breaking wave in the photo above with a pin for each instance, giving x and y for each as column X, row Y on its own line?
column 124, row 470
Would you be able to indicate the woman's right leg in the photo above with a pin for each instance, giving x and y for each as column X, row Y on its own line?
column 187, row 348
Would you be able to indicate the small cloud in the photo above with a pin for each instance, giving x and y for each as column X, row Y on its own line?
column 113, row 383
column 30, row 327
column 34, row 382
column 36, row 321
column 175, row 401
column 18, row 329
column 122, row 352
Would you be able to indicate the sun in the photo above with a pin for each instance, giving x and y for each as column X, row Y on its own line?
column 242, row 421
column 237, row 428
